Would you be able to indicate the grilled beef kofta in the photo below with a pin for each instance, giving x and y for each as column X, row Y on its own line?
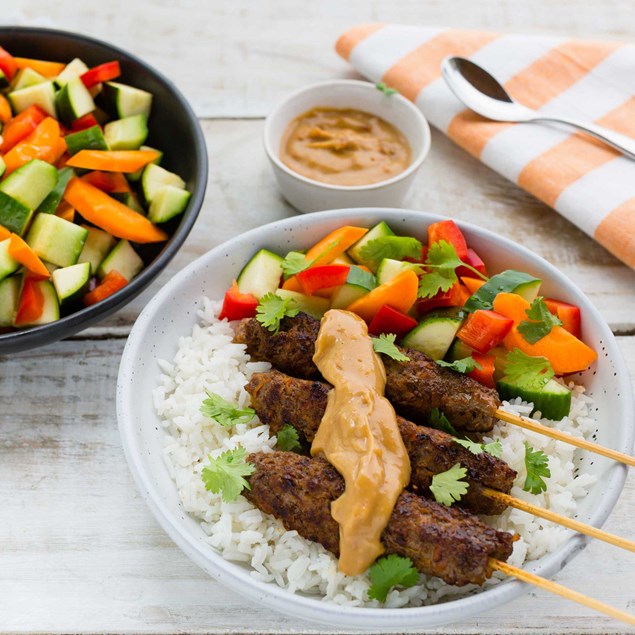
column 441, row 541
column 279, row 399
column 414, row 387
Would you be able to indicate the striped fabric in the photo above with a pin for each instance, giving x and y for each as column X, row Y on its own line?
column 590, row 184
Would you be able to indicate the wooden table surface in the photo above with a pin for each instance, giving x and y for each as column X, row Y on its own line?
column 79, row 550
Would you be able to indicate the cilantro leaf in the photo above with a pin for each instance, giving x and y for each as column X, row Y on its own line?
column 439, row 421
column 385, row 344
column 272, row 309
column 443, row 260
column 543, row 322
column 495, row 448
column 536, row 464
column 465, row 365
column 473, row 447
column 294, row 262
column 288, row 438
column 448, row 487
column 388, row 572
column 225, row 474
column 385, row 89
column 395, row 247
column 224, row 412
column 526, row 371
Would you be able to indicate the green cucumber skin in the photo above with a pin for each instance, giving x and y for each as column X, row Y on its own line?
column 126, row 134
column 56, row 240
column 261, row 275
column 504, row 282
column 7, row 264
column 379, row 230
column 347, row 294
column 90, row 139
column 13, row 215
column 9, row 297
column 553, row 403
column 433, row 336
column 51, row 202
column 69, row 101
column 70, row 294
column 31, row 183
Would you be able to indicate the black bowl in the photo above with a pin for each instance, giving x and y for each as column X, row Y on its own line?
column 174, row 129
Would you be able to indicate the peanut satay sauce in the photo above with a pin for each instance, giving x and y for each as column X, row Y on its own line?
column 359, row 436
column 344, row 147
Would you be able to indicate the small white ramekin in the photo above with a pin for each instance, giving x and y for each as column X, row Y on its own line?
column 308, row 195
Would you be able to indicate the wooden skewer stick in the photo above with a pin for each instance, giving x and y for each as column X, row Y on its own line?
column 570, row 523
column 563, row 591
column 534, row 426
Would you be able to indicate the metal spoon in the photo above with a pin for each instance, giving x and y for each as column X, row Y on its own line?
column 480, row 92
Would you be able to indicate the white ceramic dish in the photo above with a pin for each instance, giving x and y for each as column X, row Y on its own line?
column 308, row 195
column 172, row 313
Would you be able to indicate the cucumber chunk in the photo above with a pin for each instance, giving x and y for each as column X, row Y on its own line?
column 261, row 275
column 9, row 297
column 50, row 203
column 3, row 166
column 13, row 215
column 56, row 240
column 131, row 200
column 155, row 177
column 124, row 259
column 71, row 283
column 433, row 336
column 31, row 183
column 553, row 400
column 42, row 95
column 8, row 264
column 389, row 268
column 89, row 139
column 347, row 294
column 97, row 246
column 378, row 231
column 509, row 281
column 27, row 77
column 312, row 305
column 74, row 101
column 135, row 176
column 126, row 134
column 168, row 202
column 75, row 68
column 122, row 100
column 51, row 310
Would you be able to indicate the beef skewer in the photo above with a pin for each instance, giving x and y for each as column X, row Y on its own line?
column 441, row 541
column 414, row 387
column 279, row 399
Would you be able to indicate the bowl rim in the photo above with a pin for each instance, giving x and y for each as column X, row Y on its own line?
column 16, row 341
column 415, row 164
column 306, row 607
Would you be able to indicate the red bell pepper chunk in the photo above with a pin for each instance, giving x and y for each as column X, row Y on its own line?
column 484, row 376
column 237, row 305
column 389, row 320
column 483, row 330
column 8, row 65
column 31, row 302
column 569, row 314
column 21, row 126
column 456, row 296
column 323, row 277
column 102, row 73
column 447, row 230
column 474, row 260
column 85, row 122
column 112, row 282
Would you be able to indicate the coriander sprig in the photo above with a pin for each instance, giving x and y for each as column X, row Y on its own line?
column 541, row 324
column 223, row 412
column 226, row 472
column 536, row 464
column 272, row 309
column 388, row 572
column 465, row 365
column 385, row 344
column 448, row 487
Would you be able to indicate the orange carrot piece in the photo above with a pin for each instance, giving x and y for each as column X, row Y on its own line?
column 399, row 292
column 4, row 233
column 292, row 284
column 334, row 245
column 565, row 352
column 111, row 215
column 65, row 211
column 5, row 109
column 112, row 282
column 472, row 284
column 111, row 182
column 21, row 252
column 42, row 143
column 112, row 160
column 43, row 67
column 21, row 126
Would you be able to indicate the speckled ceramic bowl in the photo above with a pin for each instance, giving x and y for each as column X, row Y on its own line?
column 172, row 314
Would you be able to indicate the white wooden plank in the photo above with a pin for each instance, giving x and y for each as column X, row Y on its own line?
column 81, row 552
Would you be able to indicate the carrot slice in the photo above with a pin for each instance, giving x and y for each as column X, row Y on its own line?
column 42, row 143
column 565, row 352
column 399, row 292
column 4, row 233
column 43, row 67
column 21, row 252
column 111, row 215
column 292, row 284
column 334, row 245
column 21, row 126
column 5, row 109
column 472, row 284
column 112, row 282
column 65, row 211
column 112, row 160
column 111, row 182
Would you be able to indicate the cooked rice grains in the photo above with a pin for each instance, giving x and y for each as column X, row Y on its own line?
column 207, row 360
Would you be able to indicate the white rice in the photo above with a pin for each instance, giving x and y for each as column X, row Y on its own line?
column 207, row 360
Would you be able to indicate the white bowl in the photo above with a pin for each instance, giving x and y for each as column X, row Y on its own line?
column 172, row 314
column 308, row 195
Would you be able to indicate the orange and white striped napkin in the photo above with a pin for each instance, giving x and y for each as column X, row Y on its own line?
column 587, row 182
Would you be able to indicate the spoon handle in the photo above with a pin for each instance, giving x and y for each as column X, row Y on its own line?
column 626, row 145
